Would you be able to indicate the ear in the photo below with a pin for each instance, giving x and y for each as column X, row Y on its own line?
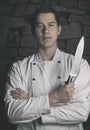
column 59, row 29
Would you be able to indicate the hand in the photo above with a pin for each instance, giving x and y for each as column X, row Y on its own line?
column 19, row 93
column 63, row 94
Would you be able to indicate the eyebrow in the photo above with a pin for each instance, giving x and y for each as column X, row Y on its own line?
column 48, row 22
column 53, row 22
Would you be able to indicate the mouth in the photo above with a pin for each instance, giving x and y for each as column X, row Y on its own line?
column 46, row 38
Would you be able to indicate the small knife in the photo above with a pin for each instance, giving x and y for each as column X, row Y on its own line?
column 76, row 63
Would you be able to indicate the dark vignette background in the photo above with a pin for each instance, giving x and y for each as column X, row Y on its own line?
column 16, row 40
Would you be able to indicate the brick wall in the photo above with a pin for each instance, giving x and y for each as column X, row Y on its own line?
column 16, row 40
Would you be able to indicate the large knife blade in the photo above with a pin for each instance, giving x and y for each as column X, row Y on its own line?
column 76, row 63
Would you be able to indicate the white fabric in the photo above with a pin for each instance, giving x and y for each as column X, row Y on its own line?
column 39, row 78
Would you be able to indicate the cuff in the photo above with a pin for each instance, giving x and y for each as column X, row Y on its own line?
column 49, row 118
column 41, row 105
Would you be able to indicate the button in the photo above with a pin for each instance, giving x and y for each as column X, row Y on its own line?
column 59, row 61
column 59, row 77
column 34, row 63
column 33, row 79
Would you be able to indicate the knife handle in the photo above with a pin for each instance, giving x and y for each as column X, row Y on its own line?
column 70, row 79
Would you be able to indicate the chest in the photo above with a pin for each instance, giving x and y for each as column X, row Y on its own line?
column 46, row 77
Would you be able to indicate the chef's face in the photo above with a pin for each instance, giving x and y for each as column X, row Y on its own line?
column 46, row 30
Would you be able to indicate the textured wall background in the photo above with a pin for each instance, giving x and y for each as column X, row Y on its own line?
column 16, row 40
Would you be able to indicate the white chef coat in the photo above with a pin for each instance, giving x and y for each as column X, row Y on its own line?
column 38, row 78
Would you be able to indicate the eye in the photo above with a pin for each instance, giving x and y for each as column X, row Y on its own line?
column 39, row 26
column 52, row 24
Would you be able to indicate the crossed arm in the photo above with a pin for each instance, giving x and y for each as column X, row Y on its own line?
column 62, row 95
column 30, row 108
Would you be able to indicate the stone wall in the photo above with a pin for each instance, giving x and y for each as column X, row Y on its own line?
column 16, row 40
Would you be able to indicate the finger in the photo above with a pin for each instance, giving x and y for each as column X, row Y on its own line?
column 63, row 83
column 18, row 94
column 71, row 84
column 70, row 90
column 20, row 90
column 15, row 97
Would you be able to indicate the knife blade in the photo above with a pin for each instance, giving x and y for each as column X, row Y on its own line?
column 76, row 63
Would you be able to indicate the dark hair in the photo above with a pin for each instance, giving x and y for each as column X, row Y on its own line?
column 43, row 9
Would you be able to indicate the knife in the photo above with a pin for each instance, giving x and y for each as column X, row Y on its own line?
column 76, row 63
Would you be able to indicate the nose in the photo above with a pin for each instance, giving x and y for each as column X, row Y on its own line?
column 45, row 29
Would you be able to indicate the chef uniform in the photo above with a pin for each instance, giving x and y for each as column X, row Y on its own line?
column 39, row 78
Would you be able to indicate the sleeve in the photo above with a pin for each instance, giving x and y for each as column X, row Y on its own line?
column 22, row 111
column 77, row 110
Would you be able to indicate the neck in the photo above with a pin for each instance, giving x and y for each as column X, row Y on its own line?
column 47, row 53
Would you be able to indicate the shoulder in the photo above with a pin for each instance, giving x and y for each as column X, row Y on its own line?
column 84, row 63
column 67, row 57
column 70, row 57
column 24, row 62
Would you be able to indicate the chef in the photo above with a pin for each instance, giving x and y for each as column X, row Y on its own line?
column 37, row 96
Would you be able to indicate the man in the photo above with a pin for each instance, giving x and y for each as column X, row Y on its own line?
column 37, row 96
